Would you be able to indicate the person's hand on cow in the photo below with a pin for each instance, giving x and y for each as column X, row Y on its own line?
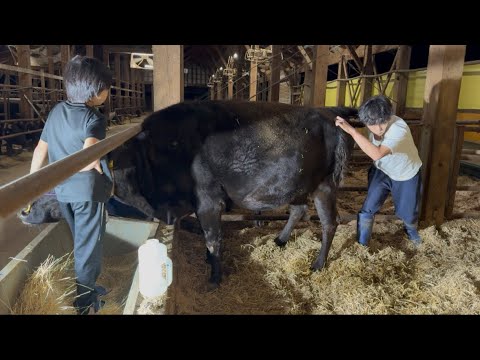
column 344, row 125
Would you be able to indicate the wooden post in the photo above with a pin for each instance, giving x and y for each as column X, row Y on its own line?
column 253, row 81
column 42, row 84
column 89, row 50
column 230, row 87
column 25, row 81
column 401, row 80
column 118, row 82
column 126, row 78
column 341, row 85
column 274, row 93
column 219, row 86
column 212, row 92
column 307, row 87
column 6, row 97
column 168, row 75
column 106, row 104
column 64, row 55
column 367, row 83
column 133, row 80
column 320, row 71
column 51, row 82
column 442, row 90
column 455, row 169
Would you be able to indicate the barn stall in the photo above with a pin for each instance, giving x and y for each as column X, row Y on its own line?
column 389, row 277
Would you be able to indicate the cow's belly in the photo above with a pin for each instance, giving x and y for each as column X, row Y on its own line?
column 270, row 186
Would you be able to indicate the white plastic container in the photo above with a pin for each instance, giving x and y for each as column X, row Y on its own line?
column 154, row 268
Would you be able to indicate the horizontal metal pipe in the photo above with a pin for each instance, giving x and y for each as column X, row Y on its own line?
column 20, row 192
column 18, row 134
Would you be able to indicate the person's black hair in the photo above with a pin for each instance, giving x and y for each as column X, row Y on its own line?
column 85, row 78
column 376, row 110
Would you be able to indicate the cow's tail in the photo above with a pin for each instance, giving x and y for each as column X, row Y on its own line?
column 344, row 146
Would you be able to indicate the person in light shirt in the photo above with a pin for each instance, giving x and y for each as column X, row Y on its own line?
column 395, row 170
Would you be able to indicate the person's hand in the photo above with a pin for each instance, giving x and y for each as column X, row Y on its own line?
column 98, row 167
column 26, row 210
column 344, row 125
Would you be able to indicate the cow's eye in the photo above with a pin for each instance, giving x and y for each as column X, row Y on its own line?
column 173, row 145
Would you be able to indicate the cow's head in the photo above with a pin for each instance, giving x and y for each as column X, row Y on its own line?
column 44, row 210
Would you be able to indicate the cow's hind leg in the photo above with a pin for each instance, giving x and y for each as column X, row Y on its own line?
column 325, row 203
column 296, row 213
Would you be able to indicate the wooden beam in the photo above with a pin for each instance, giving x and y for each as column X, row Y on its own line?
column 21, row 70
column 320, row 71
column 274, row 93
column 307, row 59
column 217, row 50
column 442, row 90
column 355, row 58
column 335, row 57
column 168, row 75
column 341, row 85
column 401, row 79
column 360, row 51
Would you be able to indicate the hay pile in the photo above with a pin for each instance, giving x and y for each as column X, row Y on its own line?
column 390, row 277
column 51, row 289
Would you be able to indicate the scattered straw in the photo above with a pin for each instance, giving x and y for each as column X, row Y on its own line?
column 51, row 289
column 390, row 277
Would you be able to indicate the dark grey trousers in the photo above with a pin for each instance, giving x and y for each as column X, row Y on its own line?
column 87, row 221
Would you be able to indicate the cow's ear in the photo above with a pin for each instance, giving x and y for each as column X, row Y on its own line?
column 143, row 135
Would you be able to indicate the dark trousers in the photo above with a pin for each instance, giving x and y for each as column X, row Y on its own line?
column 405, row 194
column 87, row 221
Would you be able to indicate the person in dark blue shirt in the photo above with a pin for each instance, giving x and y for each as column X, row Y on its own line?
column 71, row 126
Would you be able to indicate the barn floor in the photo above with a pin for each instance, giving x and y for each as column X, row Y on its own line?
column 390, row 277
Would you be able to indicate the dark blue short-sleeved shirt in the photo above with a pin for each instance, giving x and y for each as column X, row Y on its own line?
column 67, row 127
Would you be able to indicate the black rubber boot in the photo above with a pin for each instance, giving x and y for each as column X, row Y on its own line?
column 364, row 228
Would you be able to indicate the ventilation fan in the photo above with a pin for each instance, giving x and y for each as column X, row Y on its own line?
column 141, row 61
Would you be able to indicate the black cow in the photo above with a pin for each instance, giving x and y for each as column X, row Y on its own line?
column 197, row 156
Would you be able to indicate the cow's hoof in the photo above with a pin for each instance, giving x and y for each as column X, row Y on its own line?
column 280, row 242
column 317, row 265
column 259, row 223
column 208, row 257
column 213, row 283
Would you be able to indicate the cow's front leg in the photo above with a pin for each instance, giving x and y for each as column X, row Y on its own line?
column 209, row 214
column 210, row 205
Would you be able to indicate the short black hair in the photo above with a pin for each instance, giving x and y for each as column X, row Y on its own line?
column 376, row 110
column 85, row 77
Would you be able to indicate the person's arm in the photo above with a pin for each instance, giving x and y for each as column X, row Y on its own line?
column 373, row 151
column 40, row 155
column 96, row 164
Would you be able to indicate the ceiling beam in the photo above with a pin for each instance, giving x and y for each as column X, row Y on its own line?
column 336, row 56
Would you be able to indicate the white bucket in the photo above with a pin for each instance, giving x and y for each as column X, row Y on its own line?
column 155, row 269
